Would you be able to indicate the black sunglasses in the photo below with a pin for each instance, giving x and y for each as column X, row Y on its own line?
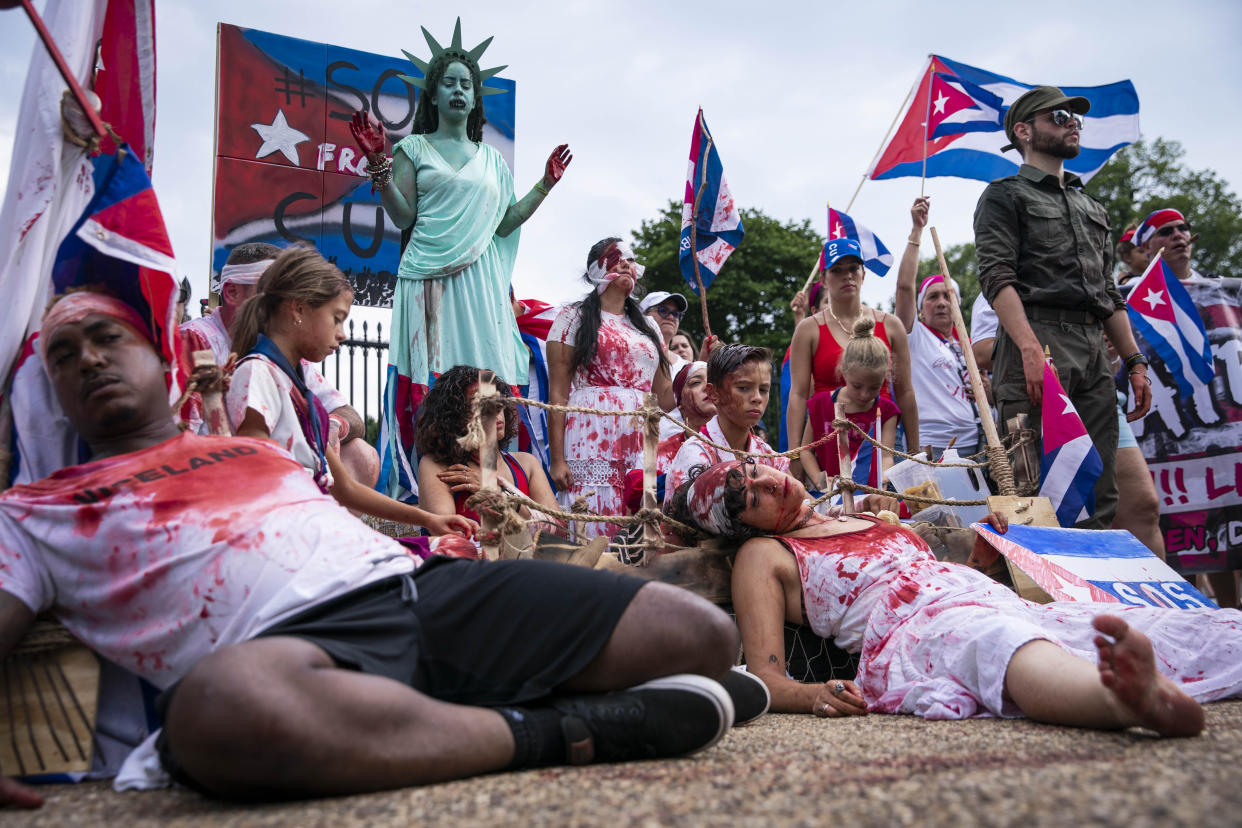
column 1170, row 229
column 1062, row 117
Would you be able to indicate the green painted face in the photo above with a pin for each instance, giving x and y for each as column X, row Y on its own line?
column 454, row 95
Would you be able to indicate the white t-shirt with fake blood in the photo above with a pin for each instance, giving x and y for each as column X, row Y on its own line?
column 260, row 385
column 158, row 557
column 936, row 371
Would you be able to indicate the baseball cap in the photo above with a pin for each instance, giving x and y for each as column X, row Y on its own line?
column 655, row 298
column 837, row 249
column 1037, row 100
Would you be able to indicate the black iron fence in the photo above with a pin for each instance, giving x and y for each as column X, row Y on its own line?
column 358, row 369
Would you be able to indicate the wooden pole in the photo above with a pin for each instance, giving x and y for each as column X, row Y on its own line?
column 926, row 130
column 815, row 271
column 1004, row 475
column 845, row 468
column 652, row 539
column 79, row 94
column 694, row 226
column 489, row 456
column 904, row 103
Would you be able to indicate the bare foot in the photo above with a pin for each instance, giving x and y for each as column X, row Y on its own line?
column 1128, row 669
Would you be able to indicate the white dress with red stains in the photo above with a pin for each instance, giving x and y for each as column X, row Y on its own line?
column 936, row 638
column 158, row 557
column 599, row 450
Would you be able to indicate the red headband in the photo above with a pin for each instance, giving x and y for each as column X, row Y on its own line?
column 75, row 307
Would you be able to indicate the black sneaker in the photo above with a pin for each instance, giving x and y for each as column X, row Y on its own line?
column 749, row 694
column 671, row 716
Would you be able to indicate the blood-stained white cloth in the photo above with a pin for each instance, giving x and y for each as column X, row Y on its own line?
column 260, row 385
column 936, row 638
column 694, row 452
column 158, row 557
column 599, row 449
column 208, row 332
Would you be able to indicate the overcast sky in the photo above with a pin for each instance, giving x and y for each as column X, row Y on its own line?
column 798, row 97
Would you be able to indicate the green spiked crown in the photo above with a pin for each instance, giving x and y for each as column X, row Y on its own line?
column 455, row 52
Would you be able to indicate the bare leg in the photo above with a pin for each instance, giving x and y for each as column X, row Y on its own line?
column 664, row 630
column 362, row 461
column 274, row 718
column 1138, row 510
column 1126, row 690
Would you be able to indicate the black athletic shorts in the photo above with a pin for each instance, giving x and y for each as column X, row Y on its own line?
column 478, row 632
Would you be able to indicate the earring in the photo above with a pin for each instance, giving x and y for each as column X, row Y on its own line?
column 299, row 322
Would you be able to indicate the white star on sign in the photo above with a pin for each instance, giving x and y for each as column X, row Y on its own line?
column 940, row 102
column 1069, row 406
column 1153, row 298
column 279, row 136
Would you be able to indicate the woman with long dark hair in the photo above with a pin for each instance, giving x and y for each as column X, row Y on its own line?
column 453, row 195
column 611, row 355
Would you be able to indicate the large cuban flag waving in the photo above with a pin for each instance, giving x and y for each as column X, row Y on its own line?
column 717, row 224
column 958, row 112
column 1071, row 465
column 1163, row 312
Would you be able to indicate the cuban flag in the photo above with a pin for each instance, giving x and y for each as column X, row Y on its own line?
column 963, row 139
column 957, row 106
column 1162, row 311
column 717, row 223
column 876, row 257
column 534, row 325
column 1071, row 465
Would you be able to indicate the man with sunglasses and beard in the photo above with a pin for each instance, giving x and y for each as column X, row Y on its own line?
column 1167, row 230
column 1045, row 265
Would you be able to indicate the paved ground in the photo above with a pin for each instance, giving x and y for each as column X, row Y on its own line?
column 881, row 770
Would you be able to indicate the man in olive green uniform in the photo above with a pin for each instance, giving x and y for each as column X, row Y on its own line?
column 1045, row 265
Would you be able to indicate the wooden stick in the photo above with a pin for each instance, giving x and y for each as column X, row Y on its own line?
column 845, row 468
column 489, row 456
column 1004, row 475
column 652, row 539
column 79, row 94
column 926, row 130
column 694, row 226
column 904, row 103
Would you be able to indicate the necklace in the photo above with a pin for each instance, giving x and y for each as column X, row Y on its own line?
column 850, row 330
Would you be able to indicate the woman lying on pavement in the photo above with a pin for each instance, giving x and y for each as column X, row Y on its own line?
column 941, row 640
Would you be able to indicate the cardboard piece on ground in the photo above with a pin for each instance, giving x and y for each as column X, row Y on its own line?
column 706, row 570
column 47, row 711
column 1021, row 511
column 1093, row 565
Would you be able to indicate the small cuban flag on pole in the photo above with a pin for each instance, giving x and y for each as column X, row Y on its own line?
column 1071, row 464
column 875, row 255
column 1162, row 311
column 711, row 226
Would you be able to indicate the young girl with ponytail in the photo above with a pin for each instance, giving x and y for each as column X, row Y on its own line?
column 297, row 316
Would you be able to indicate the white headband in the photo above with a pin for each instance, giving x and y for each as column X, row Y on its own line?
column 244, row 274
column 598, row 274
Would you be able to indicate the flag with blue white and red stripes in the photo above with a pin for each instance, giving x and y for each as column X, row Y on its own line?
column 876, row 257
column 955, row 115
column 717, row 223
column 1071, row 464
column 1161, row 309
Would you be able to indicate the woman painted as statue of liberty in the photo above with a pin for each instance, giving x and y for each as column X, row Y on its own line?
column 453, row 195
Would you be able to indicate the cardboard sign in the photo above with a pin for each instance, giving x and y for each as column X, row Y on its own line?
column 287, row 170
column 1192, row 444
column 1110, row 567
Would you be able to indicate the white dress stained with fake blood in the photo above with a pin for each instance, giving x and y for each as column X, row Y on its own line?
column 936, row 638
column 600, row 449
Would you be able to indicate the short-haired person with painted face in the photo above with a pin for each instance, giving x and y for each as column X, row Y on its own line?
column 942, row 640
column 937, row 363
column 819, row 340
column 1045, row 265
column 238, row 280
column 739, row 382
column 282, row 630
column 603, row 353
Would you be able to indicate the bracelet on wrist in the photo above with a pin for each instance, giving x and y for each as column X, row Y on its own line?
column 539, row 186
column 913, row 243
column 1135, row 358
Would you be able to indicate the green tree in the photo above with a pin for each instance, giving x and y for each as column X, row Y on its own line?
column 749, row 301
column 1147, row 175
